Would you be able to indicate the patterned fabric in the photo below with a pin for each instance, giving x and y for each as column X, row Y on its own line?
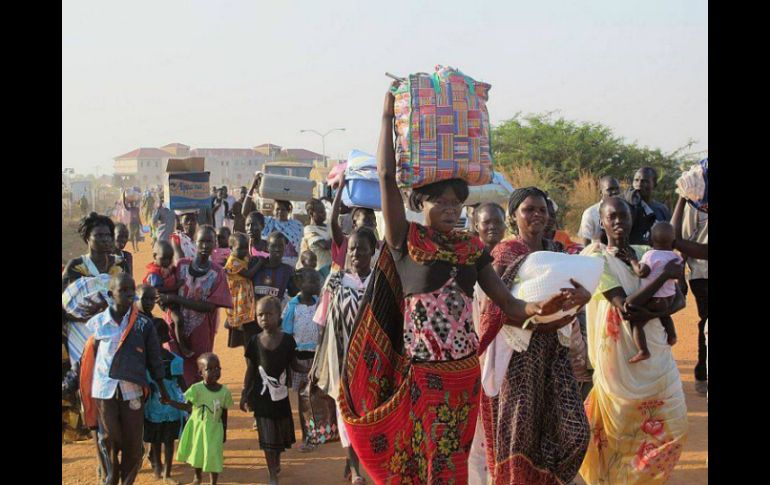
column 189, row 249
column 637, row 412
column 154, row 410
column 74, row 336
column 199, row 327
column 426, row 245
column 160, row 277
column 298, row 322
column 109, row 333
column 535, row 429
column 409, row 422
column 442, row 128
column 292, row 229
column 439, row 326
column 314, row 234
column 336, row 312
column 242, row 292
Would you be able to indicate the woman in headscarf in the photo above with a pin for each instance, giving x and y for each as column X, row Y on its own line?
column 204, row 291
column 535, row 427
column 637, row 412
column 411, row 382
column 291, row 228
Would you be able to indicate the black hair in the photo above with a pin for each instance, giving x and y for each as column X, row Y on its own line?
column 161, row 243
column 613, row 199
column 302, row 273
column 517, row 197
column 607, row 178
column 206, row 227
column 288, row 204
column 92, row 221
column 277, row 234
column 435, row 190
column 273, row 300
column 486, row 206
column 652, row 171
column 312, row 203
column 356, row 210
column 260, row 217
column 367, row 234
column 119, row 226
column 234, row 237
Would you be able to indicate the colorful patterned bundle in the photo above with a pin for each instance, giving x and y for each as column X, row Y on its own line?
column 442, row 128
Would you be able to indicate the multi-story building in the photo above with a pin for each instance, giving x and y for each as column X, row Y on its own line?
column 144, row 167
column 233, row 167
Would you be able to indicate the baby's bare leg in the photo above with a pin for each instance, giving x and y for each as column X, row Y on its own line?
column 661, row 305
column 640, row 339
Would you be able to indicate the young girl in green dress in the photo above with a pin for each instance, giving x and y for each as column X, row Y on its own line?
column 203, row 438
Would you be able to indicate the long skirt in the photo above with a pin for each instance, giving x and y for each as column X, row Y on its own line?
column 535, row 429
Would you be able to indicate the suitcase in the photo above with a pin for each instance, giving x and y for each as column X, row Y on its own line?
column 284, row 187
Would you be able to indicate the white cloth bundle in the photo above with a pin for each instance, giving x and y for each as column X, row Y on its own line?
column 691, row 184
column 543, row 274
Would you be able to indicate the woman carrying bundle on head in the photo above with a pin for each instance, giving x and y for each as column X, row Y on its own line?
column 411, row 380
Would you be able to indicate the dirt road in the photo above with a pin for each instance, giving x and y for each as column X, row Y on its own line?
column 245, row 463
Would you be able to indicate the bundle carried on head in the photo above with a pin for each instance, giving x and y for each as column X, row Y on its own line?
column 442, row 129
column 362, row 185
column 693, row 185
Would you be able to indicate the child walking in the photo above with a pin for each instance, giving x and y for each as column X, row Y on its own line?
column 270, row 354
column 161, row 275
column 298, row 322
column 241, row 320
column 204, row 435
column 162, row 423
column 650, row 267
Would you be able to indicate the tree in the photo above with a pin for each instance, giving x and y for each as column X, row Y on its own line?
column 564, row 149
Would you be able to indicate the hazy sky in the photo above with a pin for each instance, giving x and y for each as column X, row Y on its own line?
column 241, row 73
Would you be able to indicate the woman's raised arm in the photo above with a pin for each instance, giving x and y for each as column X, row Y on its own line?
column 396, row 224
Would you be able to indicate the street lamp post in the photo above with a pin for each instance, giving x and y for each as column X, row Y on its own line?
column 323, row 139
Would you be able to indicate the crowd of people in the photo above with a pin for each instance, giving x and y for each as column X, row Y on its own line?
column 382, row 336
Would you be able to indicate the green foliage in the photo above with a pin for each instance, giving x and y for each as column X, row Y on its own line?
column 562, row 150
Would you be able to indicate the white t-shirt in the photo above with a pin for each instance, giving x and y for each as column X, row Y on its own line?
column 657, row 260
column 590, row 223
column 695, row 227
column 219, row 216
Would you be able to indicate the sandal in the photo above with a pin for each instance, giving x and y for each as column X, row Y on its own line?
column 359, row 481
column 305, row 447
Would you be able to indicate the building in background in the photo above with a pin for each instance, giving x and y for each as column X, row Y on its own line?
column 232, row 167
column 144, row 167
